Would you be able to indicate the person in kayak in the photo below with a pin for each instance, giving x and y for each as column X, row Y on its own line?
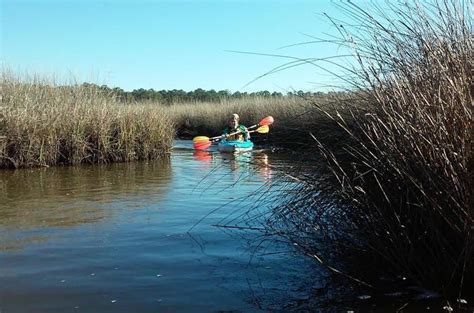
column 234, row 127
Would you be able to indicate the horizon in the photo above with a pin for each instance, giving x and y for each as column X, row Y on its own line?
column 163, row 45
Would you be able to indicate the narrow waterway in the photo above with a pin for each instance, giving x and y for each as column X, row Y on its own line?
column 142, row 237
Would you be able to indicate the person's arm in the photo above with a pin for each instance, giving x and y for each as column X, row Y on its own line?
column 245, row 132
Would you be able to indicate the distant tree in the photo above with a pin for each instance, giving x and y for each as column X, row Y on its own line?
column 264, row 93
column 224, row 93
column 199, row 94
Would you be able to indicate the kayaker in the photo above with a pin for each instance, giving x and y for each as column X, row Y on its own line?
column 233, row 126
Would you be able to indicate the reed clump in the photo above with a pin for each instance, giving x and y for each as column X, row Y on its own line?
column 43, row 124
column 406, row 172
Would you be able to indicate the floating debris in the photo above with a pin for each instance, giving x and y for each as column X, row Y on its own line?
column 63, row 281
column 158, row 275
column 463, row 301
column 364, row 297
column 113, row 301
column 92, row 274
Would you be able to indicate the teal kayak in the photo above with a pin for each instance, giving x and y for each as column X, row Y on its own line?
column 235, row 146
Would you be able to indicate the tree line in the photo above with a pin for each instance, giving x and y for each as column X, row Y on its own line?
column 179, row 95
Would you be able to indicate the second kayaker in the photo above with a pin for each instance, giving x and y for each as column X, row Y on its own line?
column 233, row 126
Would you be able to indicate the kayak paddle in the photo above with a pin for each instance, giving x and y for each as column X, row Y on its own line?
column 203, row 142
column 264, row 122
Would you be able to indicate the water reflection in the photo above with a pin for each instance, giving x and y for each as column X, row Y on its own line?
column 203, row 156
column 246, row 162
column 71, row 196
column 116, row 238
column 264, row 169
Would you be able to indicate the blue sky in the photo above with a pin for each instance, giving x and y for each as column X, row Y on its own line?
column 167, row 44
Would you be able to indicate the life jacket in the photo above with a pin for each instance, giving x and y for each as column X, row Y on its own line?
column 243, row 135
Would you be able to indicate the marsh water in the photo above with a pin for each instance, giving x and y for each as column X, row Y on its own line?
column 146, row 237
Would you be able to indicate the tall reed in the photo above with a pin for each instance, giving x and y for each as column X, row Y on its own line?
column 43, row 124
column 406, row 171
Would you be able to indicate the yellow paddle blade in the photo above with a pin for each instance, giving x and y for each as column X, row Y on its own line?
column 200, row 138
column 263, row 129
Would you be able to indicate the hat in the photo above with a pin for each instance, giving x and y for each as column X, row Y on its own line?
column 235, row 116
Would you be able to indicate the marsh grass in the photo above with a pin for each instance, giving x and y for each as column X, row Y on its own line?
column 405, row 203
column 295, row 118
column 211, row 118
column 43, row 124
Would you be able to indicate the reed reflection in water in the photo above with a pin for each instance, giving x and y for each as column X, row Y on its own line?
column 31, row 199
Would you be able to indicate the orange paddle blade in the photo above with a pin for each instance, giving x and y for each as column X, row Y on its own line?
column 202, row 145
column 266, row 121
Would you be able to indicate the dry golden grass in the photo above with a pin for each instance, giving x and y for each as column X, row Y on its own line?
column 406, row 167
column 43, row 124
column 295, row 118
column 213, row 117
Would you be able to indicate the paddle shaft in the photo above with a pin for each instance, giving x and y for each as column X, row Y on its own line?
column 231, row 134
column 213, row 139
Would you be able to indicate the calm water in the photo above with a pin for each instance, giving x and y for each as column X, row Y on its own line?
column 132, row 238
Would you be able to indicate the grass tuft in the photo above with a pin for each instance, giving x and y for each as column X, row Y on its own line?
column 43, row 124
